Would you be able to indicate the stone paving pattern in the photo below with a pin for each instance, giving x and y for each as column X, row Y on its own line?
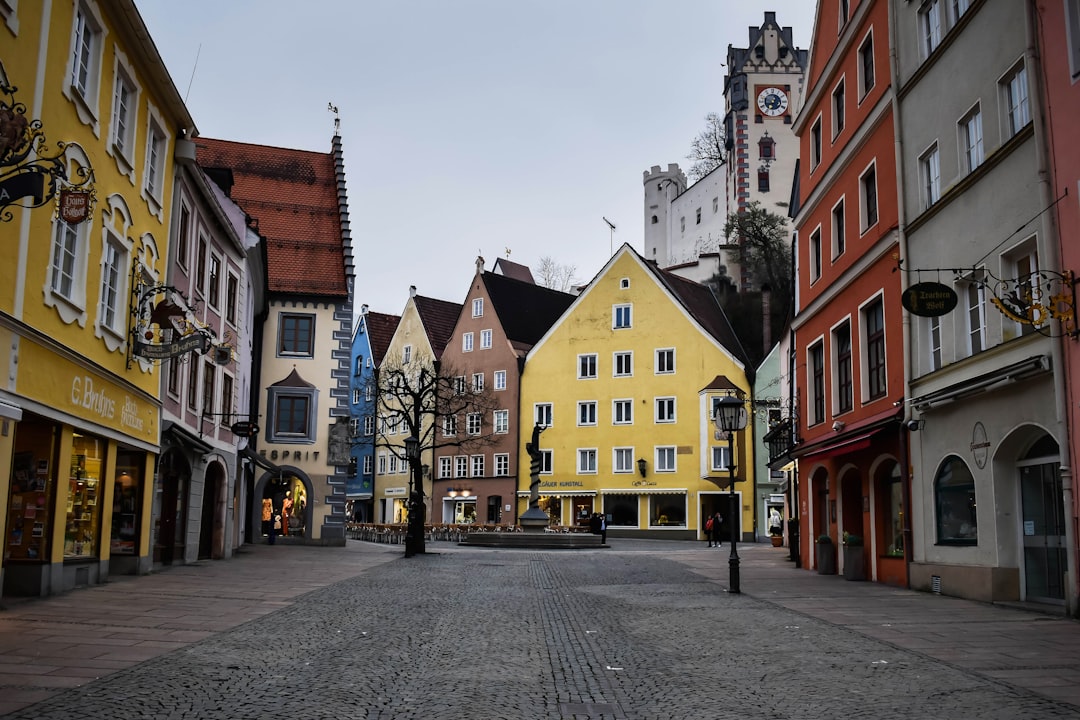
column 642, row 631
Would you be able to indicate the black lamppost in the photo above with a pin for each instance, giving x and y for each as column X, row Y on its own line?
column 412, row 454
column 731, row 416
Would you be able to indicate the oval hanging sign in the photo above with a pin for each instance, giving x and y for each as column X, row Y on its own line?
column 929, row 299
column 244, row 428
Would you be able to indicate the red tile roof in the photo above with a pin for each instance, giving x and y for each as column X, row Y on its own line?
column 293, row 195
column 439, row 318
column 380, row 329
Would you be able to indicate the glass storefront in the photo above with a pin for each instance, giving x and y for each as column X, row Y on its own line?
column 33, row 482
column 667, row 510
column 83, row 521
column 127, row 499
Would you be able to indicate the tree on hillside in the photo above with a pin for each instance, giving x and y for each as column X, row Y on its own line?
column 440, row 407
column 556, row 276
column 707, row 151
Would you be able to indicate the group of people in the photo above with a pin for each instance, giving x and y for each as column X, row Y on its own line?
column 276, row 516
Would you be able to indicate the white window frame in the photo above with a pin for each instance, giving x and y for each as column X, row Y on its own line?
column 467, row 342
column 970, row 138
column 461, row 466
column 622, row 363
column 815, row 255
column 586, row 461
column 933, row 343
column 864, row 201
column 499, row 380
column 478, row 307
column 449, row 425
column 113, row 294
column 864, row 86
column 838, row 111
column 662, row 353
column 406, row 354
column 502, row 464
column 500, row 421
column 665, row 459
column 1016, row 98
column 547, row 462
column 585, row 372
column 157, row 152
column 815, row 143
column 719, row 458
column 87, row 50
column 930, row 176
column 622, row 316
column 485, row 339
column 586, row 413
column 446, row 467
column 838, row 238
column 476, row 466
column 369, row 425
column 931, row 27
column 1072, row 36
column 369, row 464
column 478, row 382
column 543, row 413
column 622, row 411
column 474, row 423
column 622, row 460
column 124, row 115
column 382, row 463
column 664, row 410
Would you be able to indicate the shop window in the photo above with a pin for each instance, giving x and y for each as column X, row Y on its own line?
column 552, row 505
column 893, row 527
column 954, row 502
column 667, row 510
column 494, row 509
column 621, row 510
column 31, row 496
column 127, row 499
column 84, row 492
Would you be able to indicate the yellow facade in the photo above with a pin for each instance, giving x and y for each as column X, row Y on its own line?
column 89, row 73
column 636, row 406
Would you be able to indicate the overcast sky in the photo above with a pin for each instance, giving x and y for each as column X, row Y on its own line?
column 469, row 126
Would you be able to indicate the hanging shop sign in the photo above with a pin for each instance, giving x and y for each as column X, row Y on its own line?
column 163, row 323
column 74, row 206
column 244, row 428
column 929, row 299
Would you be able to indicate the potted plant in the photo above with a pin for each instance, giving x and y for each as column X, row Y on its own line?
column 853, row 557
column 826, row 556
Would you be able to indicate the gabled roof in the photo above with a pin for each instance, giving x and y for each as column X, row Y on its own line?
column 513, row 270
column 293, row 196
column 380, row 330
column 526, row 311
column 439, row 318
column 293, row 379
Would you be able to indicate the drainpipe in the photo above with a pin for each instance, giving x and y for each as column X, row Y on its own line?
column 905, row 323
column 1048, row 255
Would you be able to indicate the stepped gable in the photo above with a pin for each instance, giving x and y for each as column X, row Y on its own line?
column 293, row 197
column 380, row 330
column 439, row 318
column 526, row 311
column 702, row 304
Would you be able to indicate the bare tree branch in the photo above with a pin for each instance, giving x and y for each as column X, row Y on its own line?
column 556, row 276
column 707, row 150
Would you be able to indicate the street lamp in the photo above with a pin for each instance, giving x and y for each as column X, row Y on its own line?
column 412, row 454
column 731, row 416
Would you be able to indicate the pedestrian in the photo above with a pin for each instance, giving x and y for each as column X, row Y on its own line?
column 603, row 529
column 776, row 522
column 594, row 524
column 275, row 525
column 715, row 538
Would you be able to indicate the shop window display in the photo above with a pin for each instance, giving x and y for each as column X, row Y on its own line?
column 667, row 510
column 84, row 492
column 126, row 501
column 32, row 487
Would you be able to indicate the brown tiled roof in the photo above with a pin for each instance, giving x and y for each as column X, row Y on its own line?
column 380, row 329
column 439, row 318
column 514, row 270
column 526, row 311
column 293, row 195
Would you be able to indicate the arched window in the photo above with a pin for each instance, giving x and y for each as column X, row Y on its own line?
column 654, row 220
column 954, row 500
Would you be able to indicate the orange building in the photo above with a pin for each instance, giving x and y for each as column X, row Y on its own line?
column 849, row 343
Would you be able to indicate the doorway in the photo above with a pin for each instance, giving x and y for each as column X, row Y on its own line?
column 1043, row 529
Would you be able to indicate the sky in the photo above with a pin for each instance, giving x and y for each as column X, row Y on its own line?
column 501, row 128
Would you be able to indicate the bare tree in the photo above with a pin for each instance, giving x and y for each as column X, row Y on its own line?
column 707, row 150
column 557, row 276
column 439, row 407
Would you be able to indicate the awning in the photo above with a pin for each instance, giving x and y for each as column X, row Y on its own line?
column 560, row 493
column 260, row 460
column 191, row 442
column 9, row 411
column 644, row 491
column 841, row 446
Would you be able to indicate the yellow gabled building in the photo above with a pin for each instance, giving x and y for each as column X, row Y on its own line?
column 86, row 99
column 625, row 384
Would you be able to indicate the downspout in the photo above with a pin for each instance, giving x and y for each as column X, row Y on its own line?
column 1048, row 254
column 905, row 321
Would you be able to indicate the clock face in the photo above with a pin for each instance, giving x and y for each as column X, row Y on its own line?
column 772, row 101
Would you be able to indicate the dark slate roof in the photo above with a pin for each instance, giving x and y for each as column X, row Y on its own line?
column 293, row 194
column 439, row 318
column 293, row 380
column 526, row 311
column 514, row 270
column 380, row 330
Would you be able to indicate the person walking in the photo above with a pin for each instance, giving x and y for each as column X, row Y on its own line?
column 603, row 529
column 715, row 538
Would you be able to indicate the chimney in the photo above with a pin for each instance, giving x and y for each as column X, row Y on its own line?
column 412, row 291
column 479, row 264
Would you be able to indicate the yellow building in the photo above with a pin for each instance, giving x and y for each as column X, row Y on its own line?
column 86, row 95
column 625, row 385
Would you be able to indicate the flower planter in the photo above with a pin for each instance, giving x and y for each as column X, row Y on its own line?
column 826, row 558
column 777, row 540
column 853, row 563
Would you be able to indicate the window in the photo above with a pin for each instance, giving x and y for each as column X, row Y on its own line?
column 502, row 464
column 501, row 421
column 478, row 382
column 971, row 139
column 815, row 143
column 406, row 355
column 65, row 273
column 542, row 414
column 930, row 169
column 763, row 179
column 720, row 458
column 478, row 466
column 844, row 391
column 445, row 467
column 174, row 379
column 1016, row 98
column 459, row 385
column 125, row 109
column 500, row 379
column 473, row 422
column 291, row 415
column 369, row 392
column 155, row 161
column 1072, row 34
column 485, row 339
column 665, row 410
column 113, row 274
column 86, row 48
column 868, row 197
column 586, row 367
column 665, row 361
column 622, row 412
column 358, row 366
column 449, row 425
column 467, row 342
column 193, row 385
column 369, row 425
column 817, row 384
column 183, row 229
column 815, row 255
column 461, row 466
column 866, row 65
column 587, row 412
column 369, row 464
column 715, row 209
column 874, row 322
column 842, row 14
column 959, row 7
column 232, row 292
column 622, row 460
column 478, row 307
column 382, row 463
column 1024, row 265
column 296, row 334
column 209, row 380
column 621, row 316
column 665, row 460
column 682, row 224
column 354, row 427
column 356, row 396
column 838, row 110
column 933, row 327
column 200, row 265
column 976, row 317
column 546, row 462
column 930, row 26
column 839, row 240
column 586, row 461
column 214, row 296
column 954, row 500
column 623, row 364
column 624, row 283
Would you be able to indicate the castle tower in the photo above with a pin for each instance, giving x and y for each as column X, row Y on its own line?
column 661, row 188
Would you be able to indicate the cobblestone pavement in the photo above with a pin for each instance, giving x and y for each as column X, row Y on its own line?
column 473, row 634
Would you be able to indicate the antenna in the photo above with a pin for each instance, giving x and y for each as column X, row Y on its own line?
column 190, row 81
column 611, row 236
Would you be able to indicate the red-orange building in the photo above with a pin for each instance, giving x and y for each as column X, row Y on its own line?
column 849, row 344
